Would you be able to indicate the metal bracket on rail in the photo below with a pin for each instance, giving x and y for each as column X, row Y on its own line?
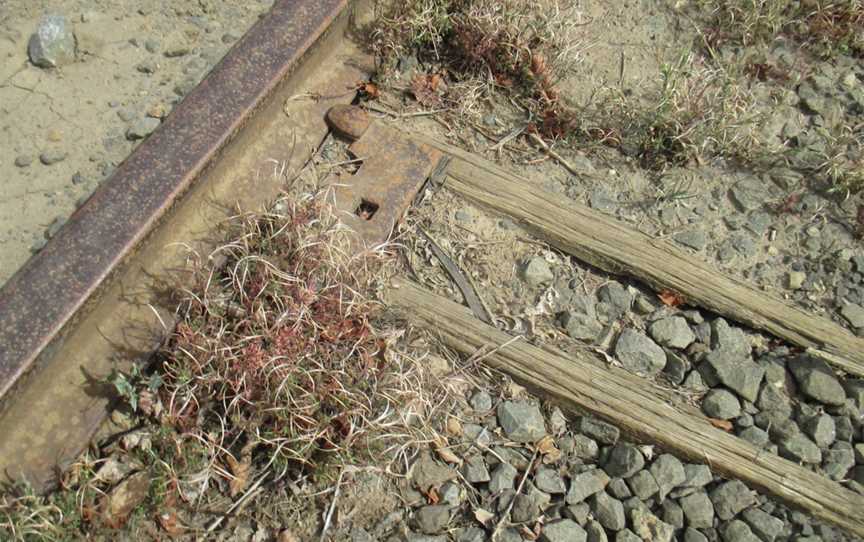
column 394, row 168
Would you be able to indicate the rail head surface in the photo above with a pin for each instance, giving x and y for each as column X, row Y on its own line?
column 50, row 290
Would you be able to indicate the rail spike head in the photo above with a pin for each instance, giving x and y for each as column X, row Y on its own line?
column 348, row 120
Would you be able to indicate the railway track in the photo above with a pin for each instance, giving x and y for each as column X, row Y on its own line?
column 91, row 301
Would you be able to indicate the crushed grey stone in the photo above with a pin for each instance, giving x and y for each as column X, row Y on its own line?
column 432, row 519
column 698, row 509
column 563, row 530
column 737, row 531
column 817, row 380
column 649, row 527
column 608, row 511
column 503, row 477
column 639, row 354
column 598, row 430
column 585, row 484
column 730, row 498
column 721, row 404
column 668, row 472
column 624, row 461
column 521, row 421
column 672, row 332
column 643, row 484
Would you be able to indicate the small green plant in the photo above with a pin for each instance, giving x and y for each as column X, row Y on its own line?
column 130, row 385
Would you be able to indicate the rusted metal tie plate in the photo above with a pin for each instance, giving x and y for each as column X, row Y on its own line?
column 394, row 168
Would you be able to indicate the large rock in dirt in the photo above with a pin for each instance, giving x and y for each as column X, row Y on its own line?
column 53, row 43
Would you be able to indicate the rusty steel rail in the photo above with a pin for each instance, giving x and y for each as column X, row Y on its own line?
column 47, row 292
column 79, row 278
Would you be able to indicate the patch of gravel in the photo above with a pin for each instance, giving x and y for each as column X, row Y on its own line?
column 618, row 490
column 777, row 398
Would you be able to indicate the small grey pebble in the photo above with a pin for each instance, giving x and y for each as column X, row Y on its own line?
column 54, row 227
column 176, row 51
column 481, row 400
column 51, row 157
column 142, row 128
column 151, row 45
column 463, row 216
column 125, row 114
column 38, row 245
column 147, row 67
column 23, row 160
column 507, row 224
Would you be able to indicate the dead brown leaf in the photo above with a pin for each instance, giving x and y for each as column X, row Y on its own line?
column 425, row 89
column 725, row 425
column 550, row 452
column 240, row 470
column 123, row 499
column 444, row 452
column 370, row 91
column 287, row 536
column 170, row 524
column 483, row 516
column 432, row 496
column 528, row 534
column 671, row 298
column 454, row 427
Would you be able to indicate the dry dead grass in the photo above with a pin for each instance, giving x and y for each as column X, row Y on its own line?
column 280, row 368
column 825, row 27
column 477, row 49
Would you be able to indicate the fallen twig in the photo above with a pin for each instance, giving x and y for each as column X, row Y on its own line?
column 506, row 513
column 548, row 150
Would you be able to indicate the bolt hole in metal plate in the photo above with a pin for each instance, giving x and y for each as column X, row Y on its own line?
column 367, row 209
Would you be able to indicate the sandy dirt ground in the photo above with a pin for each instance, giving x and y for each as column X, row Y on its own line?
column 63, row 130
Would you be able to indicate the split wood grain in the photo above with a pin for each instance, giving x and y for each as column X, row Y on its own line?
column 634, row 404
column 611, row 245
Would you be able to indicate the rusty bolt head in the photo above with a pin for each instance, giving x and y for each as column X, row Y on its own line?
column 348, row 120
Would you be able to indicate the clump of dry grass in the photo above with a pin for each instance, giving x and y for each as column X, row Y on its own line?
column 826, row 27
column 696, row 112
column 276, row 346
column 26, row 516
column 522, row 48
column 279, row 365
column 519, row 47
